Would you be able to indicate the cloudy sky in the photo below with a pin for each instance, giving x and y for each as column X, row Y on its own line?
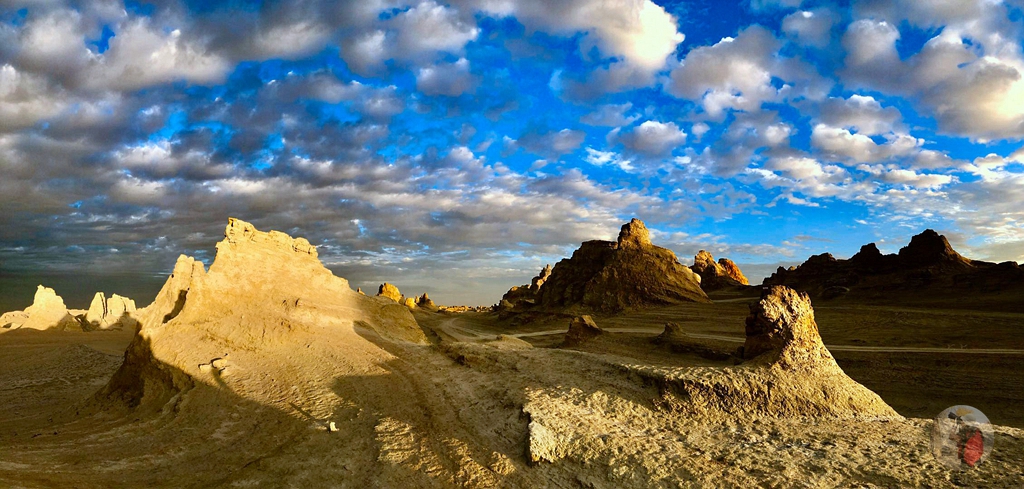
column 457, row 147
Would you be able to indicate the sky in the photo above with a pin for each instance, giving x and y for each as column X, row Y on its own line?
column 455, row 148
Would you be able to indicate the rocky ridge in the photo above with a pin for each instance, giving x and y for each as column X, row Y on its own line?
column 927, row 269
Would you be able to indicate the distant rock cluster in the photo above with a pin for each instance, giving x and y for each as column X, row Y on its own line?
column 48, row 312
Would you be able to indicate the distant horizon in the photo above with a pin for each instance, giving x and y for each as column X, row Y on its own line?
column 78, row 288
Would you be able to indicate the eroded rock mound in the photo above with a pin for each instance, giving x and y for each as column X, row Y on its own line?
column 265, row 298
column 611, row 276
column 927, row 270
column 717, row 275
column 789, row 371
column 581, row 330
column 782, row 323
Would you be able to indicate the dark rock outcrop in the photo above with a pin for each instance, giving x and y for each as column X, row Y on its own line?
column 526, row 294
column 610, row 276
column 928, row 269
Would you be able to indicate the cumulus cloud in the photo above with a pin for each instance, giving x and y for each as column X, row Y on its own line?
column 732, row 74
column 611, row 115
column 743, row 141
column 843, row 145
column 551, row 143
column 451, row 79
column 737, row 73
column 654, row 138
column 810, row 27
column 970, row 75
column 26, row 99
column 143, row 54
column 861, row 113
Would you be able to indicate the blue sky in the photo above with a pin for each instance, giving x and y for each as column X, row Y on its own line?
column 456, row 148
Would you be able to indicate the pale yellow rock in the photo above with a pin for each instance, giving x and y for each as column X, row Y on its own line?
column 389, row 291
column 49, row 312
column 268, row 298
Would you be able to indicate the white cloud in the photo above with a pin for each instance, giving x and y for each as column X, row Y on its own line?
column 841, row 144
column 26, row 99
column 639, row 32
column 365, row 54
column 551, row 143
column 451, row 79
column 428, row 28
column 142, row 54
column 610, row 115
column 654, row 138
column 810, row 27
column 861, row 113
column 970, row 76
column 736, row 73
column 602, row 158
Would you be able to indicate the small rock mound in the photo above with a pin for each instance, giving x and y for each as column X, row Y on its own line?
column 389, row 291
column 612, row 276
column 581, row 330
column 717, row 275
column 673, row 332
column 424, row 302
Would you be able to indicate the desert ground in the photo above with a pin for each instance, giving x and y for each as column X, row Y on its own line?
column 302, row 382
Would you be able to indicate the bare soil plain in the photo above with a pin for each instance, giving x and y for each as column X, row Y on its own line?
column 235, row 381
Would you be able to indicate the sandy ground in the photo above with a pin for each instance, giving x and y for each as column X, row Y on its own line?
column 458, row 412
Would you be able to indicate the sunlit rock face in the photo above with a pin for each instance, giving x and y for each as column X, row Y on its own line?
column 717, row 275
column 266, row 295
column 46, row 312
column 788, row 371
column 390, row 291
column 115, row 312
column 615, row 275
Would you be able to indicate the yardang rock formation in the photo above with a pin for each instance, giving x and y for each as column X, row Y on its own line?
column 609, row 276
column 264, row 295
